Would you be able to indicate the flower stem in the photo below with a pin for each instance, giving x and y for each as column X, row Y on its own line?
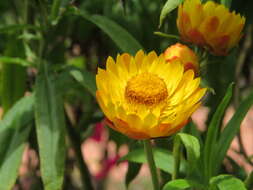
column 249, row 181
column 151, row 163
column 176, row 155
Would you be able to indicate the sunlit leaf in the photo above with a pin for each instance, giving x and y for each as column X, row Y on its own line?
column 15, row 60
column 192, row 146
column 169, row 6
column 178, row 184
column 50, row 127
column 225, row 182
column 231, row 130
column 213, row 131
column 14, row 131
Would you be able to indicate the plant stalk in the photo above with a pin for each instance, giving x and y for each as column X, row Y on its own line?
column 249, row 181
column 151, row 163
column 76, row 144
column 176, row 156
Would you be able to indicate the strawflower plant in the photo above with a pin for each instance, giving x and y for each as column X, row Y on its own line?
column 60, row 89
column 144, row 97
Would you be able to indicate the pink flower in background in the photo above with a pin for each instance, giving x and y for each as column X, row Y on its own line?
column 107, row 165
column 98, row 132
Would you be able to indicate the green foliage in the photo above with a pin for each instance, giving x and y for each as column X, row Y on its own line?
column 192, row 147
column 213, row 133
column 119, row 35
column 224, row 182
column 163, row 158
column 14, row 132
column 86, row 79
column 50, row 127
column 167, row 8
column 231, row 129
column 13, row 77
column 178, row 184
column 49, row 55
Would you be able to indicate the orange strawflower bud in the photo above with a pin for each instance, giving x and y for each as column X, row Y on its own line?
column 183, row 54
column 210, row 25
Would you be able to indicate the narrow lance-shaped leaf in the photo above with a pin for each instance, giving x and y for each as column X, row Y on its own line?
column 15, row 60
column 86, row 79
column 231, row 130
column 50, row 127
column 14, row 131
column 13, row 78
column 169, row 6
column 123, row 39
column 213, row 129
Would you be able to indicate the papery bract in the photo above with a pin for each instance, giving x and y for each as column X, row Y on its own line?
column 210, row 25
column 144, row 97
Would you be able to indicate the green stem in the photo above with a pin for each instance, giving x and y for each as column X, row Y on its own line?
column 167, row 35
column 76, row 144
column 151, row 163
column 249, row 181
column 55, row 9
column 176, row 156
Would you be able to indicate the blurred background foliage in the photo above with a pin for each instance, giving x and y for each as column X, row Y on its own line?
column 73, row 40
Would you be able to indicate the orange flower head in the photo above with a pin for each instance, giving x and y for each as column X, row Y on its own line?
column 210, row 25
column 144, row 97
column 183, row 54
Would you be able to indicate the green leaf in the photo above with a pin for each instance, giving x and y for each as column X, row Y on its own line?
column 163, row 158
column 192, row 129
column 13, row 77
column 86, row 79
column 231, row 130
column 227, row 3
column 192, row 146
column 225, row 182
column 50, row 127
column 178, row 184
column 169, row 6
column 132, row 172
column 15, row 60
column 213, row 132
column 55, row 11
column 123, row 39
column 14, row 131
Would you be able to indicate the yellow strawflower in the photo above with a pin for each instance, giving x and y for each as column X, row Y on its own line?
column 210, row 25
column 183, row 54
column 145, row 97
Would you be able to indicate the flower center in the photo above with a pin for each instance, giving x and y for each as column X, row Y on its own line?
column 147, row 89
